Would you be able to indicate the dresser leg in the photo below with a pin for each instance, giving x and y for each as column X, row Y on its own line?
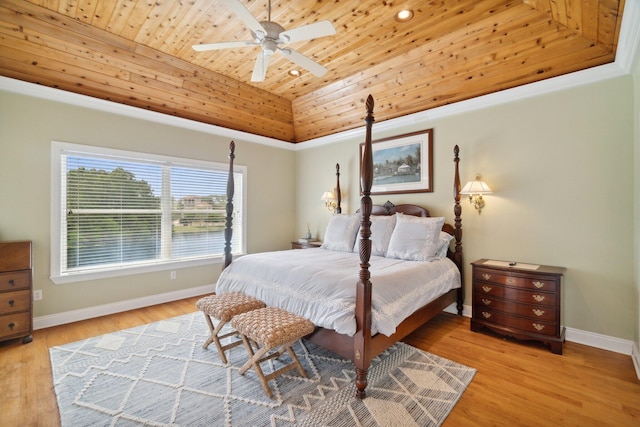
column 555, row 347
column 27, row 339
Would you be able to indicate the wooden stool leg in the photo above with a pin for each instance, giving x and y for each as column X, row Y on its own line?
column 216, row 339
column 296, row 361
column 254, row 360
column 211, row 330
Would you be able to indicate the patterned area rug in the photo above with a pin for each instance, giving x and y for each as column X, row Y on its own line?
column 159, row 375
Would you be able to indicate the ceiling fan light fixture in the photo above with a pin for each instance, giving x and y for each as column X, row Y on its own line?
column 404, row 15
column 269, row 47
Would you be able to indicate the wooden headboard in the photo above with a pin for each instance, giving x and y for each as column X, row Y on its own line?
column 390, row 209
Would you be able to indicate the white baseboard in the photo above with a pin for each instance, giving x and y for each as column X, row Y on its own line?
column 591, row 339
column 118, row 307
column 604, row 342
column 635, row 356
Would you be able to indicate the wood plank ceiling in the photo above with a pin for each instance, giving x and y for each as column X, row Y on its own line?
column 138, row 52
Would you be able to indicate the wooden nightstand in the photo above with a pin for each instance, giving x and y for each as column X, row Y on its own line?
column 519, row 300
column 308, row 245
column 16, row 319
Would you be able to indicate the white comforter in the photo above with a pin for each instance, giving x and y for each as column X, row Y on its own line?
column 320, row 285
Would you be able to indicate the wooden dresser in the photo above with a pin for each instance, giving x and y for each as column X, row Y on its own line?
column 16, row 318
column 519, row 301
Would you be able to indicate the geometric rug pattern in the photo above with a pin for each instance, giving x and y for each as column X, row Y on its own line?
column 159, row 375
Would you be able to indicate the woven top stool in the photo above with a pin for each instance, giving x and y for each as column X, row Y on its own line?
column 224, row 307
column 272, row 329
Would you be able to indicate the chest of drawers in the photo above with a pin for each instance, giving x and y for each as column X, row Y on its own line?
column 16, row 319
column 524, row 303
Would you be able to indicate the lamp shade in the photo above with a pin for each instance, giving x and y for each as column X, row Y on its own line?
column 476, row 187
column 327, row 195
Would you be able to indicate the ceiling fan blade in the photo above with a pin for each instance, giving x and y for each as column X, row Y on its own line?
column 246, row 16
column 260, row 68
column 222, row 45
column 307, row 32
column 306, row 63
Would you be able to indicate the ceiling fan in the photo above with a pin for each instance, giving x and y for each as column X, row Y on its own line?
column 271, row 36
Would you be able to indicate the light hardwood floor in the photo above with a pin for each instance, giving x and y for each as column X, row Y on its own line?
column 517, row 384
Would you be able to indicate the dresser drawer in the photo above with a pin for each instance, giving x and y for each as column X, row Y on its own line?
column 15, row 280
column 526, row 281
column 10, row 302
column 515, row 294
column 525, row 324
column 15, row 324
column 525, row 310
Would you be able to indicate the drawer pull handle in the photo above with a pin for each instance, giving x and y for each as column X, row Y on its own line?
column 538, row 326
column 537, row 311
column 11, row 282
column 11, row 303
column 11, row 326
column 511, row 281
column 538, row 298
column 538, row 284
column 486, row 315
column 486, row 276
column 486, row 288
column 486, row 301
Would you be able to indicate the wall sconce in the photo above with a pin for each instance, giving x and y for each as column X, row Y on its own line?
column 329, row 200
column 475, row 189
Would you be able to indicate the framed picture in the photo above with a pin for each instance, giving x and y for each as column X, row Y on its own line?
column 402, row 164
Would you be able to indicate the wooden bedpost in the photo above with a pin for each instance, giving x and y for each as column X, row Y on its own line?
column 228, row 230
column 362, row 339
column 457, row 210
column 338, row 193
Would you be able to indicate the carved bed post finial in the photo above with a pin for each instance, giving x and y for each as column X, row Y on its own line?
column 362, row 339
column 457, row 211
column 228, row 230
column 338, row 193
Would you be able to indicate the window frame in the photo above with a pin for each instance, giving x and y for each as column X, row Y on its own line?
column 58, row 148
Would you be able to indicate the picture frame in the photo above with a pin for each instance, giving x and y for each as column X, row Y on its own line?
column 402, row 164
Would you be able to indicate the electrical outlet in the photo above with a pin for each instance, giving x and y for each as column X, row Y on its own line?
column 37, row 295
column 173, row 275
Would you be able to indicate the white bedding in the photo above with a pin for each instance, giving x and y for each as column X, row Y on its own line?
column 320, row 285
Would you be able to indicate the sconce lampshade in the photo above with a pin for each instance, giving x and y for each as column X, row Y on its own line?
column 327, row 195
column 476, row 187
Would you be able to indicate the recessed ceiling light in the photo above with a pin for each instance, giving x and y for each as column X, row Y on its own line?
column 404, row 15
column 295, row 73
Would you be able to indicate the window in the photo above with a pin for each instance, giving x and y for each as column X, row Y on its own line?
column 116, row 212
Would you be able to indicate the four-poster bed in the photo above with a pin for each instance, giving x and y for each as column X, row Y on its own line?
column 356, row 323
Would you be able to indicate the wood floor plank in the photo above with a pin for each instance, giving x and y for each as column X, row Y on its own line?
column 517, row 383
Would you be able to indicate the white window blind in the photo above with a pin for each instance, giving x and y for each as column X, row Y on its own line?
column 121, row 210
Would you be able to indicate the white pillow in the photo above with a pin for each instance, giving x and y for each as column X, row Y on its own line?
column 381, row 230
column 341, row 233
column 415, row 238
column 443, row 244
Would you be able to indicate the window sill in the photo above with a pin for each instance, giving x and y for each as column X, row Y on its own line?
column 105, row 274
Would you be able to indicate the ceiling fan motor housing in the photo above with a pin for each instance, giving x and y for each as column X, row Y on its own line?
column 273, row 32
